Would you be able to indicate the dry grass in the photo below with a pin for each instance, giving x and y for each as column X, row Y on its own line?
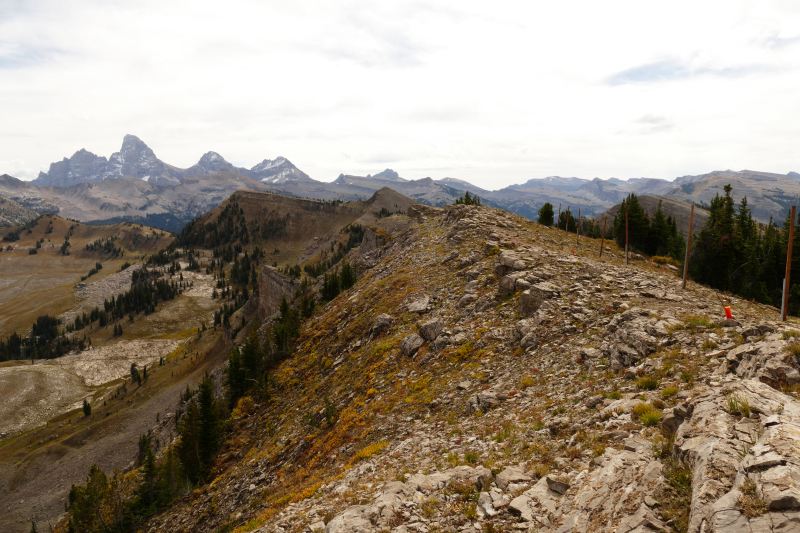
column 749, row 502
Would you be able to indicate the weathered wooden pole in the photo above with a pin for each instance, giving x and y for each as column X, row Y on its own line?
column 626, row 237
column 603, row 237
column 578, row 240
column 559, row 216
column 566, row 224
column 688, row 247
column 787, row 281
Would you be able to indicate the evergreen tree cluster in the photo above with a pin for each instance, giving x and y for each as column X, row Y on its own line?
column 244, row 271
column 249, row 366
column 46, row 341
column 467, row 199
column 105, row 246
column 732, row 253
column 164, row 257
column 143, row 297
column 231, row 227
column 355, row 235
column 567, row 219
column 336, row 282
column 97, row 268
column 659, row 236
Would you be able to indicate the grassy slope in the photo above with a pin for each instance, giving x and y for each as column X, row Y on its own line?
column 32, row 285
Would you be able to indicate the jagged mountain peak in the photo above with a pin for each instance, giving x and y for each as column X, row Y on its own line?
column 130, row 141
column 212, row 162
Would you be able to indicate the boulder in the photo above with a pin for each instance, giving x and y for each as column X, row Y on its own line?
column 420, row 305
column 511, row 474
column 411, row 344
column 466, row 300
column 529, row 341
column 533, row 298
column 482, row 402
column 431, row 329
column 557, row 486
column 382, row 323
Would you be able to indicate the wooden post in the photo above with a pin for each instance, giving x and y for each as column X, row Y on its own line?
column 788, row 282
column 603, row 237
column 626, row 237
column 578, row 240
column 688, row 247
column 559, row 216
column 566, row 224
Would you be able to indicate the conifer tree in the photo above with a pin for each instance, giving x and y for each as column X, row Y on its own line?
column 562, row 222
column 546, row 214
column 200, row 433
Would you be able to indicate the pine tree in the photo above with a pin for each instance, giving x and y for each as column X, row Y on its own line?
column 562, row 222
column 187, row 449
column 210, row 428
column 546, row 214
column 135, row 374
column 236, row 380
column 87, row 408
column 348, row 275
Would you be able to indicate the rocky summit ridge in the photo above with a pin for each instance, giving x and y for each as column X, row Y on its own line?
column 489, row 374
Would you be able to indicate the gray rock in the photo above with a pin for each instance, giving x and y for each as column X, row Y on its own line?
column 431, row 329
column 512, row 474
column 420, row 305
column 466, row 300
column 482, row 402
column 485, row 504
column 507, row 258
column 449, row 257
column 382, row 323
column 557, row 486
column 441, row 342
column 411, row 344
column 532, row 299
column 593, row 401
column 529, row 341
column 484, row 303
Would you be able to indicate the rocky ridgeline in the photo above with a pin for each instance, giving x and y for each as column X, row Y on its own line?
column 558, row 392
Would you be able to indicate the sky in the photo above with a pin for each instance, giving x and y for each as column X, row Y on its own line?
column 494, row 93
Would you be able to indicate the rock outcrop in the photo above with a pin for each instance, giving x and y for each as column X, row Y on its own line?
column 273, row 286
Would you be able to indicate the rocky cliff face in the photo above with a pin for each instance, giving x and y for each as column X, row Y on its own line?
column 488, row 374
column 273, row 286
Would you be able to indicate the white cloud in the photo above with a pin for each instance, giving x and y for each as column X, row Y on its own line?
column 18, row 169
column 495, row 93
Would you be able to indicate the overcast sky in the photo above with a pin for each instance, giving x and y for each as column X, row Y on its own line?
column 491, row 92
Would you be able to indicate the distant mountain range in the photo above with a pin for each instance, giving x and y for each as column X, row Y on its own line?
column 136, row 160
column 133, row 184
